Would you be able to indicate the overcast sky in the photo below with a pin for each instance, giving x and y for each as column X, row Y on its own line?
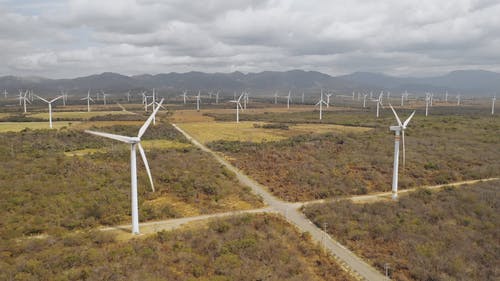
column 64, row 39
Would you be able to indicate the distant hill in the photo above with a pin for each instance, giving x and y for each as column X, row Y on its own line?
column 467, row 82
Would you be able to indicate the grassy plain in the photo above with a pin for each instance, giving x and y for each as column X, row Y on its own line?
column 256, row 131
column 249, row 247
column 442, row 148
column 444, row 235
column 44, row 191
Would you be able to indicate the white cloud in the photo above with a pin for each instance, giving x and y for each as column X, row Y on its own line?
column 77, row 37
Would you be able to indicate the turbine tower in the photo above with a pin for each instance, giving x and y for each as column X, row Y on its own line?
column 50, row 107
column 364, row 100
column 135, row 142
column 400, row 128
column 427, row 100
column 89, row 99
column 379, row 103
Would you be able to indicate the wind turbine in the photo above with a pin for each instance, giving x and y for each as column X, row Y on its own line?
column 353, row 95
column 245, row 100
column 493, row 104
column 50, row 107
column 402, row 98
column 104, row 97
column 302, row 97
column 458, row 100
column 327, row 99
column 379, row 103
column 5, row 93
column 320, row 103
column 89, row 99
column 364, row 100
column 24, row 100
column 238, row 106
column 128, row 96
column 400, row 128
column 446, row 97
column 288, row 98
column 184, row 94
column 427, row 100
column 153, row 103
column 217, row 97
column 134, row 142
column 198, row 100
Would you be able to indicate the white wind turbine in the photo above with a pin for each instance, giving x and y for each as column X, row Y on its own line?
column 198, row 100
column 50, row 107
column 238, row 106
column 302, row 97
column 217, row 97
column 88, row 99
column 104, row 97
column 128, row 96
column 5, row 94
column 320, row 104
column 328, row 100
column 24, row 100
column 288, row 99
column 493, row 104
column 245, row 100
column 134, row 142
column 446, row 97
column 427, row 101
column 400, row 128
column 184, row 96
column 379, row 103
column 275, row 97
column 364, row 100
column 458, row 100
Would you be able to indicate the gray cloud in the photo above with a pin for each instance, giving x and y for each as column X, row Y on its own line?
column 77, row 37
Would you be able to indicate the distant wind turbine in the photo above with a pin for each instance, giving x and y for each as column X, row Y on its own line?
column 134, row 142
column 288, row 99
column 320, row 104
column 379, row 103
column 427, row 101
column 328, row 100
column 50, row 107
column 275, row 97
column 493, row 104
column 89, row 99
column 400, row 128
column 24, row 100
column 198, row 100
column 364, row 100
column 238, row 106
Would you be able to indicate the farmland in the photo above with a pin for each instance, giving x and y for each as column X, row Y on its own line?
column 446, row 235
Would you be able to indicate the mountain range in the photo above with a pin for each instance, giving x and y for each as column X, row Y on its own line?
column 468, row 82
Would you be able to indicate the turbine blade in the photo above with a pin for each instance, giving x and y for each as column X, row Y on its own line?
column 397, row 118
column 145, row 161
column 112, row 136
column 42, row 98
column 53, row 100
column 408, row 120
column 144, row 127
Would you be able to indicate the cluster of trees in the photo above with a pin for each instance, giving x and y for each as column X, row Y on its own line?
column 44, row 191
column 447, row 235
column 250, row 247
column 439, row 149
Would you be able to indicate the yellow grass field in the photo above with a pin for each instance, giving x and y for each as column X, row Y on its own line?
column 19, row 126
column 182, row 116
column 246, row 131
column 76, row 114
column 146, row 144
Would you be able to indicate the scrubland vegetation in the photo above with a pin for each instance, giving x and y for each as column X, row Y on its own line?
column 452, row 234
column 45, row 191
column 439, row 149
column 239, row 248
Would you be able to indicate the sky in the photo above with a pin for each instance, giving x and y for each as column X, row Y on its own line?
column 66, row 39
